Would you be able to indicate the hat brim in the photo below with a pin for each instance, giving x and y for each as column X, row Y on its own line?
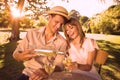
column 62, row 14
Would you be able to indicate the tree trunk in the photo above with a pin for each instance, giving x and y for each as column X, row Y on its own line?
column 15, row 23
column 15, row 30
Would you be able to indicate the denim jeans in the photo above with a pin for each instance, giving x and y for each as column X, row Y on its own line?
column 23, row 77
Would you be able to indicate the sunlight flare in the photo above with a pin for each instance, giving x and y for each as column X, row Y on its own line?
column 15, row 12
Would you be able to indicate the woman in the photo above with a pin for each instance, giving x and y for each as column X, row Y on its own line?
column 82, row 50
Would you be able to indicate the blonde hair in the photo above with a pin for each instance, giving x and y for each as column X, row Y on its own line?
column 75, row 22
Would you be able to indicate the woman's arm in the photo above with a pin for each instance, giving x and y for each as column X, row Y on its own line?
column 84, row 67
column 90, row 60
column 91, row 56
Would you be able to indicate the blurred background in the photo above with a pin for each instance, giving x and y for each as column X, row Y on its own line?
column 100, row 19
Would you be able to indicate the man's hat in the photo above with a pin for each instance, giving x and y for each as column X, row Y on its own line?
column 59, row 10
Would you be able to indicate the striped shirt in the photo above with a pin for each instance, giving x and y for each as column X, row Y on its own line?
column 36, row 39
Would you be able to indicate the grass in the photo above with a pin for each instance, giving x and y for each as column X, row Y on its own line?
column 111, row 69
column 10, row 69
column 111, row 44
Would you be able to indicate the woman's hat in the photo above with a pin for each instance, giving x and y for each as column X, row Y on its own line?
column 59, row 10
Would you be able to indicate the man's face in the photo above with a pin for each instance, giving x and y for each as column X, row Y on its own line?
column 55, row 22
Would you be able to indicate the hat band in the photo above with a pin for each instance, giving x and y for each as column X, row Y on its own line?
column 61, row 12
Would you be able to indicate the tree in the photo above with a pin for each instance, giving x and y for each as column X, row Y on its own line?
column 14, row 20
column 115, row 1
column 83, row 19
column 33, row 6
column 15, row 28
column 108, row 22
column 37, row 7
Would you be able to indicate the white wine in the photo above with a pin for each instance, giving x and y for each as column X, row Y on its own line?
column 67, row 62
column 49, row 68
column 45, row 52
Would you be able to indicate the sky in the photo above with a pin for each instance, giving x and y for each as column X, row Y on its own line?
column 85, row 7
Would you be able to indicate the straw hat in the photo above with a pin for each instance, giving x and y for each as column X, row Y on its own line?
column 59, row 10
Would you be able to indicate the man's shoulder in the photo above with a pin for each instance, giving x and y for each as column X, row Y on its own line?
column 34, row 30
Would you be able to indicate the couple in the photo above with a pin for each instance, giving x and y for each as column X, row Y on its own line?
column 81, row 49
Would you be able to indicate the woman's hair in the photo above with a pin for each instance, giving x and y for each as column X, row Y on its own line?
column 74, row 22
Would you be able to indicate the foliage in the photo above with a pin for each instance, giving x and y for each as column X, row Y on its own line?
column 31, row 23
column 4, row 18
column 25, row 22
column 83, row 19
column 107, row 22
column 111, row 20
column 4, row 38
column 42, row 21
column 74, row 14
column 37, row 7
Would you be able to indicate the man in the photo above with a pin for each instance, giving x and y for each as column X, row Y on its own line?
column 39, row 38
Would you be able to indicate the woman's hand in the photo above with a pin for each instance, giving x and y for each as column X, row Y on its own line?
column 38, row 75
column 72, row 66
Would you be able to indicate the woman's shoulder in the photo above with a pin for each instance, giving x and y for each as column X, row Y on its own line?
column 90, row 43
column 88, row 40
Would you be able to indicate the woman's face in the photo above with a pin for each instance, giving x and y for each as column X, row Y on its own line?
column 72, row 31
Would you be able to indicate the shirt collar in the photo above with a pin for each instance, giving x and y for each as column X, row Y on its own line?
column 42, row 30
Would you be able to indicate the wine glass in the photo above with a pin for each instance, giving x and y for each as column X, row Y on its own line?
column 67, row 61
column 48, row 51
column 50, row 66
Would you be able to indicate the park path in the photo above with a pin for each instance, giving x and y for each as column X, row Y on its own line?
column 94, row 36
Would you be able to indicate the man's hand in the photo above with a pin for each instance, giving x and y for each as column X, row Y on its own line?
column 38, row 75
column 26, row 55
